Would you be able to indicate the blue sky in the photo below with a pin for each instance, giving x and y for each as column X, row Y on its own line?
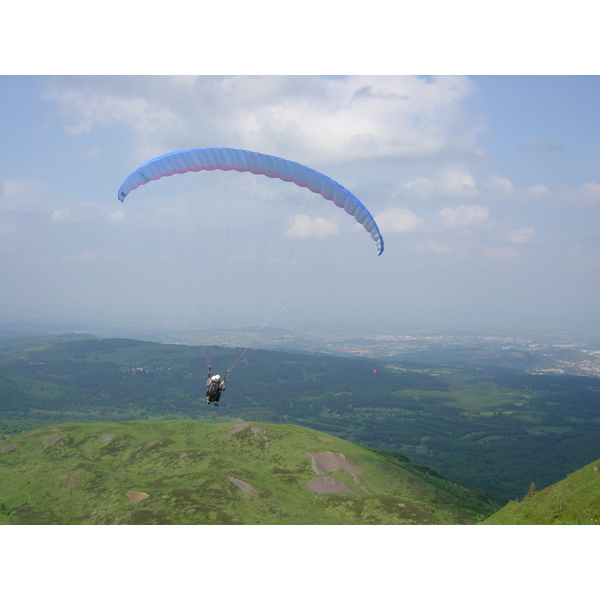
column 486, row 190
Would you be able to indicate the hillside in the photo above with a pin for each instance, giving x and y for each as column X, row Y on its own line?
column 573, row 501
column 184, row 472
column 486, row 427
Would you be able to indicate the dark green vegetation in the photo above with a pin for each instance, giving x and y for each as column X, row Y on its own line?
column 573, row 501
column 491, row 428
column 184, row 472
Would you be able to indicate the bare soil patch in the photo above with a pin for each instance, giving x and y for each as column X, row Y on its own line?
column 245, row 487
column 107, row 438
column 153, row 442
column 237, row 428
column 53, row 439
column 323, row 462
column 9, row 448
column 328, row 485
column 136, row 496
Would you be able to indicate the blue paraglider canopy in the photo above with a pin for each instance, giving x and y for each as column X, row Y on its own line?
column 230, row 159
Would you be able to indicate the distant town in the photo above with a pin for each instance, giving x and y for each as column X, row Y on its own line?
column 537, row 353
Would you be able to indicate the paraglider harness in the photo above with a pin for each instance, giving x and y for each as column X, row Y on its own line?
column 213, row 390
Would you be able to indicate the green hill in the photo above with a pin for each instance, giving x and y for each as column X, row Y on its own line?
column 185, row 472
column 572, row 501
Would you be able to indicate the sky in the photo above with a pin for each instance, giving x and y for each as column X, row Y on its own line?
column 486, row 190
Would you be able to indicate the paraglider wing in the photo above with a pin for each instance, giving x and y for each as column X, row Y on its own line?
column 228, row 159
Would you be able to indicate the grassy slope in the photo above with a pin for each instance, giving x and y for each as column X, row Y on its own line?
column 573, row 501
column 75, row 474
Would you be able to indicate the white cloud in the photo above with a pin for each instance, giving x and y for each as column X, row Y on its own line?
column 464, row 215
column 311, row 119
column 537, row 191
column 586, row 195
column 91, row 102
column 419, row 187
column 22, row 188
column 116, row 216
column 398, row 220
column 305, row 227
column 457, row 182
column 64, row 215
column 498, row 186
column 453, row 182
